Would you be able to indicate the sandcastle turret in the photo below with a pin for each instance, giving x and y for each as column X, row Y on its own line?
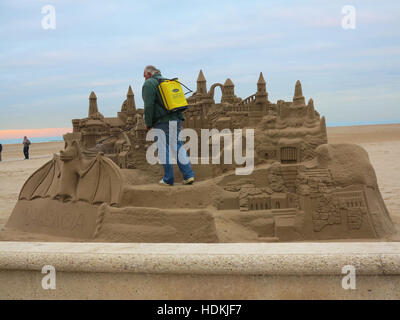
column 261, row 95
column 92, row 104
column 228, row 91
column 261, row 84
column 311, row 110
column 130, row 97
column 322, row 124
column 93, row 110
column 310, row 117
column 201, row 83
column 76, row 125
column 298, row 98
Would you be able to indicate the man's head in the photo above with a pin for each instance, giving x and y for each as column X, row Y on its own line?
column 149, row 71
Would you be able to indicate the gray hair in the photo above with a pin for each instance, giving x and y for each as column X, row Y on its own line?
column 152, row 69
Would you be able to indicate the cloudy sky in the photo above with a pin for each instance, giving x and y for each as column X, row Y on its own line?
column 46, row 76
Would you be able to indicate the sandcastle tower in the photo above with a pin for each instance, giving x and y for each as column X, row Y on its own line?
column 93, row 128
column 92, row 105
column 130, row 98
column 128, row 108
column 201, row 95
column 310, row 118
column 201, row 84
column 261, row 95
column 228, row 91
column 311, row 109
column 93, row 110
column 298, row 98
column 322, row 124
column 76, row 125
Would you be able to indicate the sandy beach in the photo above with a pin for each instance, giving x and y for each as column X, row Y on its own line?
column 382, row 143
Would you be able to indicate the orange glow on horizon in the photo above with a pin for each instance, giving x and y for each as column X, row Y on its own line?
column 33, row 133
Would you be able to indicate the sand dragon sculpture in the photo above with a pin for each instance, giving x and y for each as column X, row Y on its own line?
column 101, row 188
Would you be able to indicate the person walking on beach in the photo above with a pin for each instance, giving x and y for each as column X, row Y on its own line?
column 1, row 149
column 26, row 144
column 156, row 116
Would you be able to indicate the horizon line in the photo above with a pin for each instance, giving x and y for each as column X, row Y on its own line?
column 13, row 134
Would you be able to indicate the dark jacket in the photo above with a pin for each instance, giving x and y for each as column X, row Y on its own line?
column 26, row 143
column 154, row 111
column 1, row 147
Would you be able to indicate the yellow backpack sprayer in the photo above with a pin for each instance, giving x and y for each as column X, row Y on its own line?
column 172, row 94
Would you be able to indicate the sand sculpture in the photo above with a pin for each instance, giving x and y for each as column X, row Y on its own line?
column 101, row 188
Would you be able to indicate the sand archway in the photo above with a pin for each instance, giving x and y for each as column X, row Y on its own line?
column 212, row 90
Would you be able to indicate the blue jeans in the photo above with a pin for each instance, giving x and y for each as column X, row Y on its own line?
column 26, row 152
column 171, row 144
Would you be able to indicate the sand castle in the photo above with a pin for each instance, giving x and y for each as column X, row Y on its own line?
column 101, row 188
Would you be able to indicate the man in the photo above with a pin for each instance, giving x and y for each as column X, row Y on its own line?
column 1, row 149
column 156, row 116
column 26, row 144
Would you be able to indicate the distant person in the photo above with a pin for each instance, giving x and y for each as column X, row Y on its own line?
column 1, row 149
column 26, row 144
column 156, row 116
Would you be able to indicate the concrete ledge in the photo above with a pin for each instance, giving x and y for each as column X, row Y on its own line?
column 200, row 271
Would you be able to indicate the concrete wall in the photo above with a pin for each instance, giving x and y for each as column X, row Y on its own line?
column 200, row 271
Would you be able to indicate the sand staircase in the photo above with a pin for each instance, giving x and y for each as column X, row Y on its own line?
column 289, row 174
column 321, row 174
column 165, row 197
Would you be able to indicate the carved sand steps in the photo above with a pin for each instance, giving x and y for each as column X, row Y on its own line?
column 318, row 173
column 141, row 224
column 289, row 174
column 199, row 195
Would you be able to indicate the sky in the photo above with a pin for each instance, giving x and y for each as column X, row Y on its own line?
column 46, row 75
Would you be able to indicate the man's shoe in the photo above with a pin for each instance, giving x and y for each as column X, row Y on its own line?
column 188, row 181
column 163, row 183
